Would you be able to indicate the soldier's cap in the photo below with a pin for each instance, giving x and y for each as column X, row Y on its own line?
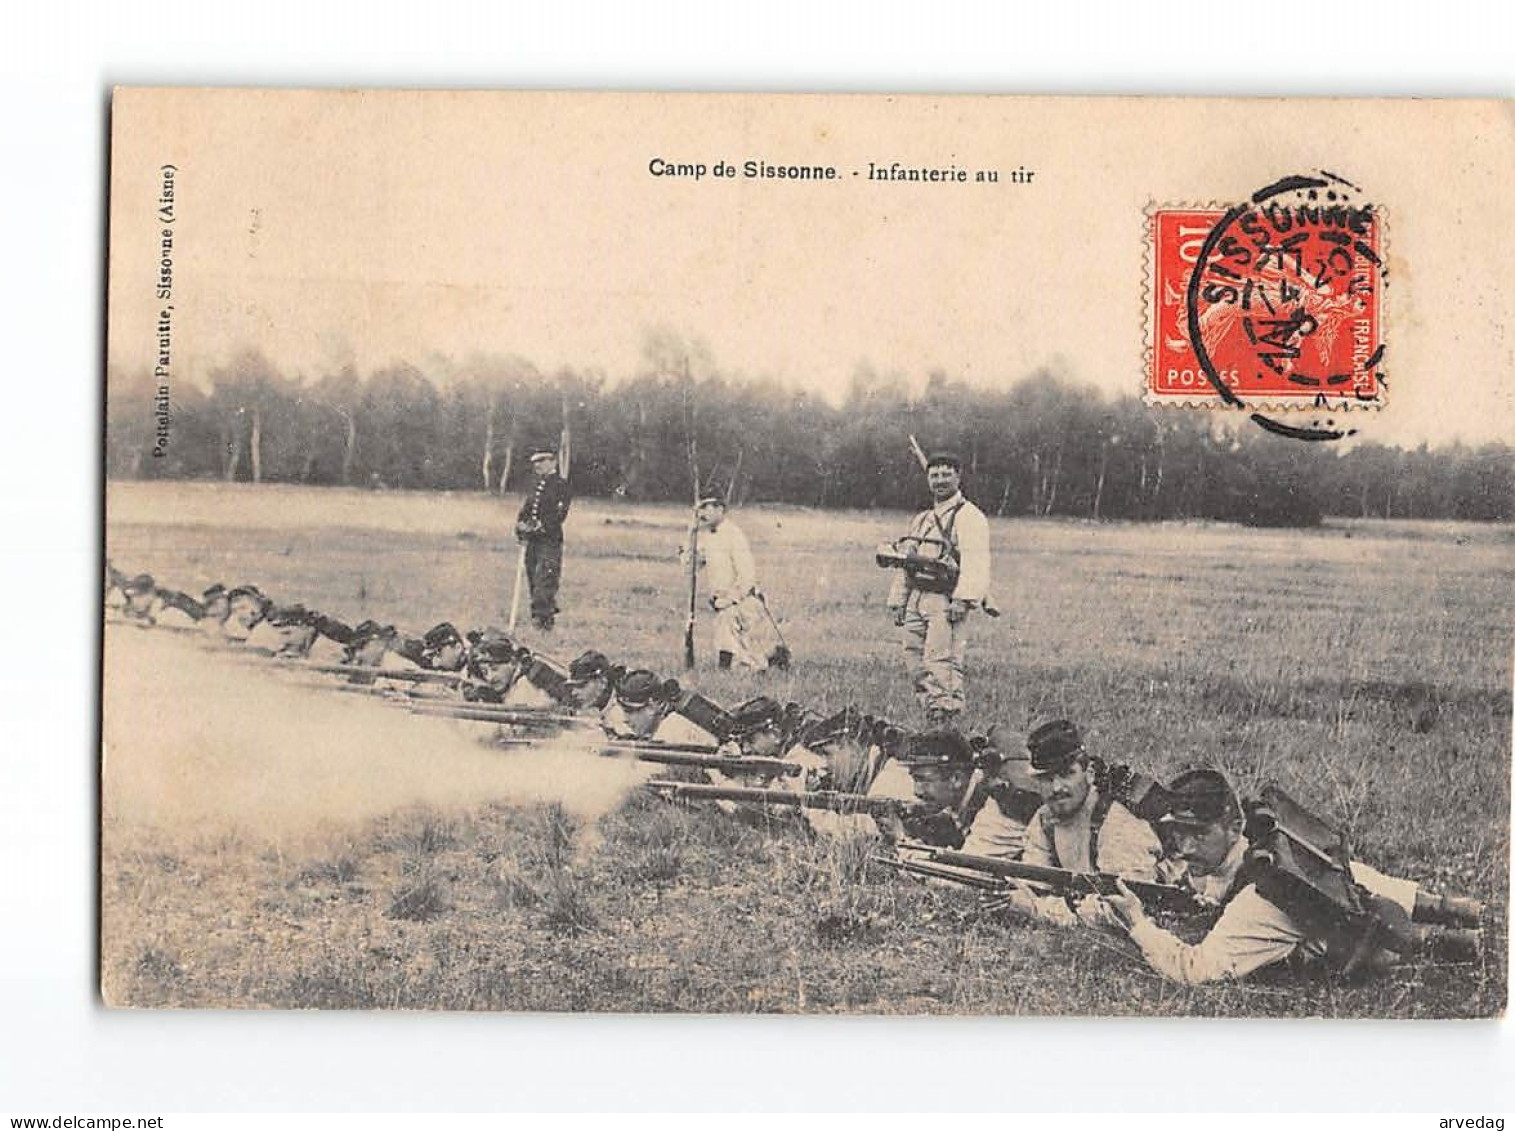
column 757, row 714
column 640, row 687
column 944, row 458
column 213, row 592
column 440, row 636
column 943, row 747
column 849, row 722
column 590, row 665
column 491, row 646
column 543, row 453
column 1053, row 747
column 1200, row 798
column 713, row 501
column 290, row 616
column 142, row 583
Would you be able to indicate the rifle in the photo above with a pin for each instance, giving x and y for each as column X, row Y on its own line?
column 419, row 675
column 489, row 713
column 671, row 755
column 726, row 763
column 1162, row 897
column 937, row 872
column 832, row 802
column 515, row 592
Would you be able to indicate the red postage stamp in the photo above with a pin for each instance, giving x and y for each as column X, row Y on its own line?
column 1276, row 302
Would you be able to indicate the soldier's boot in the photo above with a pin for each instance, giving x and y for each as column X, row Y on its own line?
column 1446, row 910
column 1451, row 944
column 723, row 661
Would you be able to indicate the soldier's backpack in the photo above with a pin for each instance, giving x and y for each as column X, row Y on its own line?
column 708, row 716
column 1302, row 865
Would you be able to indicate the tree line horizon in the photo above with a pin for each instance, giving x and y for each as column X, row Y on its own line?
column 1044, row 446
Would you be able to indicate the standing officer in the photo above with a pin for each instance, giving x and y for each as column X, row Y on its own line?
column 944, row 575
column 539, row 526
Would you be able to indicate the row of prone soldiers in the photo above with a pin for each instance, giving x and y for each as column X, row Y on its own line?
column 1207, row 886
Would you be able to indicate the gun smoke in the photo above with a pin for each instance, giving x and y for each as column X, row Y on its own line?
column 199, row 743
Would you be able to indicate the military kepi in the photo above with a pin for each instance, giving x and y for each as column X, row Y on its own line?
column 945, row 459
column 1053, row 746
column 1200, row 797
column 945, row 747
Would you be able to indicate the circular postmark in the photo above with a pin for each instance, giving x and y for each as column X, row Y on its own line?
column 1284, row 302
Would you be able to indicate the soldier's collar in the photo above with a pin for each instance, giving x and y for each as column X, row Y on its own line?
column 955, row 498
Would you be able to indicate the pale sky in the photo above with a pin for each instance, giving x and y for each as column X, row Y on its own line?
column 327, row 228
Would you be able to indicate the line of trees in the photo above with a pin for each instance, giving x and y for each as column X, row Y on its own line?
column 1043, row 446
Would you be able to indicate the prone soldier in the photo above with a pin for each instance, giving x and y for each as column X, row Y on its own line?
column 641, row 704
column 138, row 594
column 1012, row 799
column 494, row 664
column 287, row 631
column 840, row 753
column 945, row 780
column 1079, row 827
column 217, row 604
column 443, row 649
column 247, row 605
column 1285, row 889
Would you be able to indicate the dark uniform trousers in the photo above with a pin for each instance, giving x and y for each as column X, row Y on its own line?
column 540, row 524
column 544, row 569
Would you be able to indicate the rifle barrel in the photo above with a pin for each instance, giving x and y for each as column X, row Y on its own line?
column 418, row 675
column 730, row 763
column 1167, row 896
column 967, row 878
column 832, row 802
column 481, row 714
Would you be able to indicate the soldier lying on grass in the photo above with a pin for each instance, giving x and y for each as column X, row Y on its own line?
column 1293, row 896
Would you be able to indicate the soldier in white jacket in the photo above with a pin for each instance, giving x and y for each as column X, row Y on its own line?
column 945, row 577
column 744, row 632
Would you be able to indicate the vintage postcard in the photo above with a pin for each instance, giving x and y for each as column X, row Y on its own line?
column 808, row 554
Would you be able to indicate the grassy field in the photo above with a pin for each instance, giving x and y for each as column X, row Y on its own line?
column 267, row 845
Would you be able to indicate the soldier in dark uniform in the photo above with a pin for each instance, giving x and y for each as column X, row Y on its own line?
column 539, row 526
